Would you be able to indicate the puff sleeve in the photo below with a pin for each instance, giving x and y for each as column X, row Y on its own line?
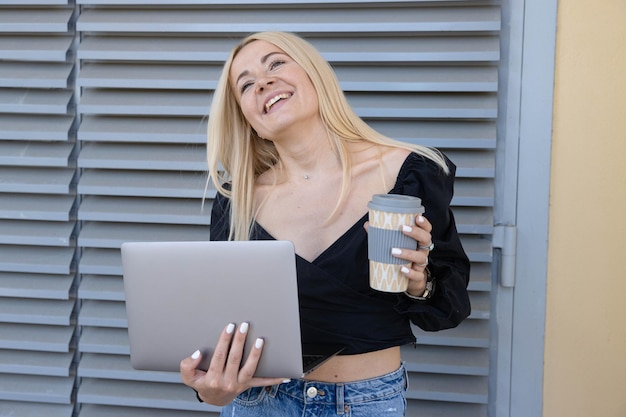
column 448, row 263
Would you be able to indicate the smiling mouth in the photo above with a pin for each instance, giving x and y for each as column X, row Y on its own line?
column 275, row 100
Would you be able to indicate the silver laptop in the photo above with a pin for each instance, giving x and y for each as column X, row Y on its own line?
column 181, row 295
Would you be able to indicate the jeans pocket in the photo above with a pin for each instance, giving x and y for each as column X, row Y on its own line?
column 251, row 397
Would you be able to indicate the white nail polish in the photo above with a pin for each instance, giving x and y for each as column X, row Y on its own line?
column 230, row 328
column 407, row 229
column 286, row 381
column 405, row 270
column 195, row 355
column 243, row 328
column 396, row 251
column 420, row 219
column 259, row 343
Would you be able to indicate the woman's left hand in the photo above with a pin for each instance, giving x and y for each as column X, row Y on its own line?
column 418, row 258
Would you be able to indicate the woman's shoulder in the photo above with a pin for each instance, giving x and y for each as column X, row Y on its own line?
column 420, row 175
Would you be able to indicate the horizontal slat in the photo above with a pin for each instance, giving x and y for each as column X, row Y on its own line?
column 36, row 311
column 35, row 127
column 446, row 360
column 448, row 134
column 104, row 340
column 35, row 101
column 29, row 409
column 112, row 235
column 145, row 210
column 473, row 192
column 44, row 20
column 454, row 388
column 146, row 129
column 477, row 249
column 474, row 220
column 470, row 333
column 119, row 367
column 481, row 306
column 473, row 163
column 24, row 232
column 35, row 363
column 432, row 106
column 480, row 277
column 158, row 76
column 35, row 2
column 145, row 102
column 31, row 75
column 94, row 410
column 428, row 408
column 140, row 394
column 103, row 314
column 36, row 180
column 36, row 337
column 35, row 48
column 182, row 157
column 36, row 259
column 375, row 105
column 37, row 207
column 417, row 79
column 240, row 2
column 101, row 287
column 351, row 78
column 292, row 19
column 100, row 262
column 144, row 184
column 36, row 285
column 22, row 153
column 347, row 49
column 443, row 135
column 41, row 389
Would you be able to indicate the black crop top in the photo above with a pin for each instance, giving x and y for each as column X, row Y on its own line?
column 337, row 306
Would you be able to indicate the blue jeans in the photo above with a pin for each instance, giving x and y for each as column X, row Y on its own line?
column 380, row 396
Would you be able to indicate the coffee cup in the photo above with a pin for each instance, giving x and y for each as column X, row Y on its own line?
column 387, row 214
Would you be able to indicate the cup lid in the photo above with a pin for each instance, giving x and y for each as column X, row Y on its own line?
column 397, row 203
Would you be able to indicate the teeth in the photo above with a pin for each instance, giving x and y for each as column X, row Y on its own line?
column 270, row 103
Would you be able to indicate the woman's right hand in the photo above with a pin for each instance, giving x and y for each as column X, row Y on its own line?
column 226, row 377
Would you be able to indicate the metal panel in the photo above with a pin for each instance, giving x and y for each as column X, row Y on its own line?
column 139, row 75
column 37, row 208
column 419, row 72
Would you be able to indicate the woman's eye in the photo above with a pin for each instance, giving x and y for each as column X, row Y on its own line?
column 276, row 63
column 244, row 87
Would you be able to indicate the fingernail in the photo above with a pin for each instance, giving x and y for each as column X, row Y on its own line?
column 195, row 355
column 407, row 229
column 420, row 219
column 243, row 328
column 405, row 270
column 396, row 251
column 259, row 343
column 286, row 381
column 230, row 328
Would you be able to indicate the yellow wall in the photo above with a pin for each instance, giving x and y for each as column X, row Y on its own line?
column 585, row 351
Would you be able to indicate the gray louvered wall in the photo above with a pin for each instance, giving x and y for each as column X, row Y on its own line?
column 133, row 92
column 37, row 209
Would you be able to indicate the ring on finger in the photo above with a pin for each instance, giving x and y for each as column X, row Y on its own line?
column 429, row 247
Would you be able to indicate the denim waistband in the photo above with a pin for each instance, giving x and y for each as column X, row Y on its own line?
column 344, row 393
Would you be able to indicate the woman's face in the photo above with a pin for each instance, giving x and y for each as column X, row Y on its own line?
column 275, row 94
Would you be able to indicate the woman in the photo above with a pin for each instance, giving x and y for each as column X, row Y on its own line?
column 298, row 164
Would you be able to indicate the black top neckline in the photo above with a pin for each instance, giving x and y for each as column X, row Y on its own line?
column 359, row 223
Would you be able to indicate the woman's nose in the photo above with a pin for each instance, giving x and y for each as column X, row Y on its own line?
column 263, row 83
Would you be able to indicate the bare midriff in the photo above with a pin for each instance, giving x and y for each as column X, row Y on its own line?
column 348, row 368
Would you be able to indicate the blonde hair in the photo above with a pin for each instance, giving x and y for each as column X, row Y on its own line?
column 236, row 154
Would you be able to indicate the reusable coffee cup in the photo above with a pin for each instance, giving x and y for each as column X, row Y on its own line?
column 387, row 214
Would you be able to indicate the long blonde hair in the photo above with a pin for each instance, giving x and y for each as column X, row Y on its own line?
column 237, row 155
